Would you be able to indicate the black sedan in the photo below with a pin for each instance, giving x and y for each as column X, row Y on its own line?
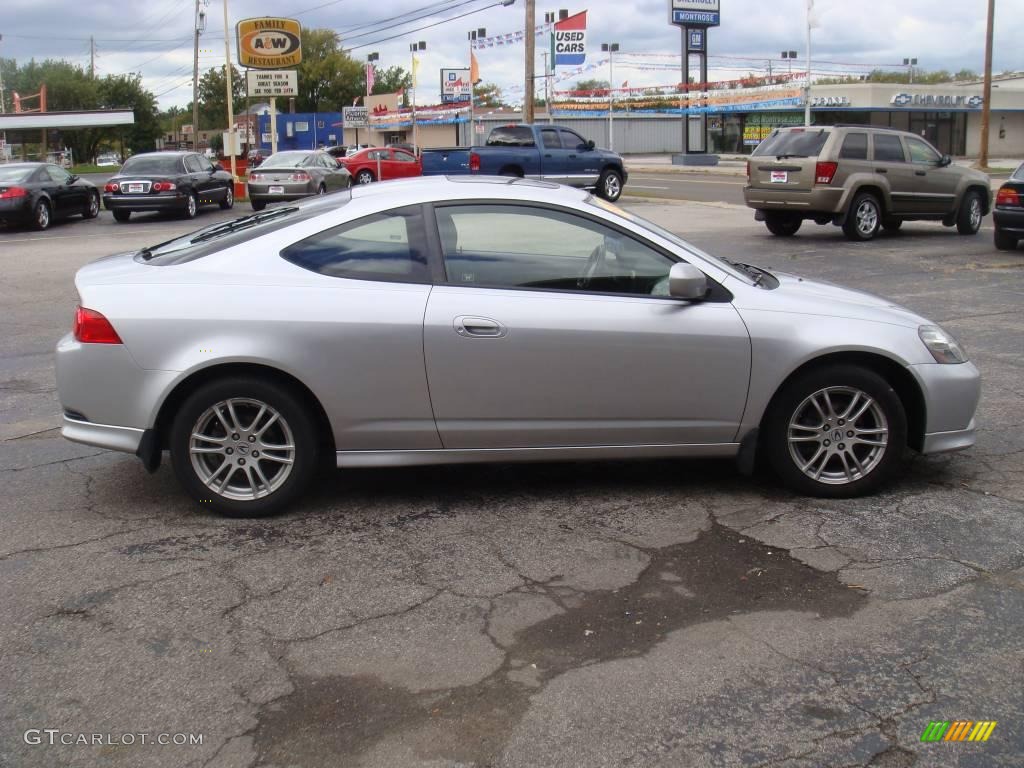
column 1008, row 212
column 37, row 193
column 178, row 182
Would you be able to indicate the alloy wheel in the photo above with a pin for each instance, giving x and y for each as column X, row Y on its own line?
column 612, row 186
column 867, row 217
column 975, row 213
column 42, row 215
column 242, row 449
column 191, row 204
column 94, row 206
column 838, row 435
column 364, row 177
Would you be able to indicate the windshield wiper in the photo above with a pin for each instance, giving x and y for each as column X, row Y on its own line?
column 756, row 273
column 243, row 223
column 784, row 156
column 146, row 254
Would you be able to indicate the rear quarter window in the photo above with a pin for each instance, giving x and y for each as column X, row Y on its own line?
column 511, row 136
column 802, row 142
column 855, row 147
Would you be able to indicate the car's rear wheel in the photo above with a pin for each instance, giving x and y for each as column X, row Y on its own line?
column 836, row 431
column 257, row 205
column 122, row 216
column 365, row 177
column 191, row 206
column 782, row 224
column 92, row 208
column 1005, row 241
column 609, row 185
column 321, row 190
column 864, row 217
column 41, row 215
column 968, row 219
column 243, row 446
column 229, row 198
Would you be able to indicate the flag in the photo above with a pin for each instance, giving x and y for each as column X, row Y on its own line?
column 370, row 78
column 474, row 69
column 625, row 83
column 355, row 100
column 415, row 71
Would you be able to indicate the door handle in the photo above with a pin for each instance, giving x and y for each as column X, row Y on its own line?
column 920, row 173
column 572, row 157
column 881, row 170
column 478, row 327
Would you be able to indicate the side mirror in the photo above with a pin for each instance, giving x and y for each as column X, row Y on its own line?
column 218, row 167
column 685, row 281
column 72, row 179
column 590, row 144
column 944, row 161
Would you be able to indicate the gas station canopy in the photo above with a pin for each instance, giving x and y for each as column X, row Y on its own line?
column 27, row 121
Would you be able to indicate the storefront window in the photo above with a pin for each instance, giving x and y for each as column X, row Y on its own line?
column 757, row 126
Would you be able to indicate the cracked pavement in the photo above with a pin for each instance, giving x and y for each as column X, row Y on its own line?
column 659, row 613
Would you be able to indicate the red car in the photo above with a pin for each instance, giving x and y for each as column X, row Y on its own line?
column 381, row 164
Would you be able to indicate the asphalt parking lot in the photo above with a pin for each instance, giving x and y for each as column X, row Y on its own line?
column 654, row 613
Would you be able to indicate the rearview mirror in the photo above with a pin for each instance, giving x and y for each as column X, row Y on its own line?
column 685, row 281
column 944, row 161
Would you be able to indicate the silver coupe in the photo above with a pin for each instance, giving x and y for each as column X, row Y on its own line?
column 490, row 320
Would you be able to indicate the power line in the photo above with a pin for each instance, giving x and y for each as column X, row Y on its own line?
column 345, row 30
column 418, row 29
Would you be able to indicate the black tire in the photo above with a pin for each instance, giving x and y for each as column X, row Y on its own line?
column 229, row 198
column 864, row 218
column 968, row 218
column 297, row 422
column 365, row 177
column 92, row 208
column 792, row 401
column 1004, row 241
column 42, row 215
column 257, row 205
column 782, row 224
column 191, row 208
column 892, row 226
column 321, row 190
column 609, row 185
column 122, row 216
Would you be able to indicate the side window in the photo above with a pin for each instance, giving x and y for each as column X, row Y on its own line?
column 549, row 138
column 855, row 147
column 511, row 136
column 380, row 154
column 192, row 164
column 889, row 148
column 404, row 157
column 385, row 246
column 571, row 140
column 921, row 152
column 520, row 246
column 59, row 175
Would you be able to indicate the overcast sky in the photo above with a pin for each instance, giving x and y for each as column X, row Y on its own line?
column 154, row 37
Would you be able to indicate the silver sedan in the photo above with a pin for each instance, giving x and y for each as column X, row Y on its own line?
column 292, row 175
column 490, row 320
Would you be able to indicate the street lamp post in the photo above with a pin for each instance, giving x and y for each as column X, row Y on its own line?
column 371, row 80
column 610, row 49
column 910, row 64
column 413, row 49
column 790, row 56
column 986, row 87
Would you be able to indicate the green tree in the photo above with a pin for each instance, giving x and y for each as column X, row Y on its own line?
column 489, row 95
column 127, row 91
column 389, row 80
column 213, row 97
column 328, row 77
column 591, row 85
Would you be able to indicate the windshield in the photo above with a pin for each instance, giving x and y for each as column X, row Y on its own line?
column 724, row 264
column 225, row 234
column 285, row 160
column 798, row 142
column 16, row 173
column 152, row 164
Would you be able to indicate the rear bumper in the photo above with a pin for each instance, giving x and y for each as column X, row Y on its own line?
column 824, row 200
column 1009, row 221
column 126, row 439
column 160, row 202
column 15, row 210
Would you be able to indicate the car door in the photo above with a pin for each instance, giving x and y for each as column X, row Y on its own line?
column 405, row 165
column 935, row 184
column 67, row 199
column 554, row 157
column 556, row 329
column 582, row 166
column 199, row 184
column 333, row 178
column 889, row 159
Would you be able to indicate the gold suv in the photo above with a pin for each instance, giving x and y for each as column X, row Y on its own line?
column 861, row 178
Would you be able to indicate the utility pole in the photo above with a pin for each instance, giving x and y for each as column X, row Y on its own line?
column 200, row 20
column 807, row 86
column 92, row 57
column 987, row 88
column 413, row 48
column 3, row 136
column 231, row 100
column 531, row 53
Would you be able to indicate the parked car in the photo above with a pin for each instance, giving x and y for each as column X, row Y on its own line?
column 342, row 151
column 255, row 157
column 432, row 321
column 295, row 174
column 178, row 182
column 546, row 152
column 861, row 178
column 412, row 149
column 107, row 161
column 1008, row 214
column 382, row 164
column 34, row 194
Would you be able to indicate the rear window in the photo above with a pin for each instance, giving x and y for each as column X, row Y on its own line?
column 794, row 143
column 152, row 164
column 16, row 173
column 511, row 136
column 225, row 234
column 285, row 160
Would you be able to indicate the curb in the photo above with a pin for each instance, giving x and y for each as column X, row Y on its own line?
column 682, row 169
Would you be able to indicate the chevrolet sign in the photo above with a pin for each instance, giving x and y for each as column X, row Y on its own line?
column 936, row 100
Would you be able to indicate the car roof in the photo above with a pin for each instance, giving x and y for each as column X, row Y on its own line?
column 426, row 189
column 25, row 164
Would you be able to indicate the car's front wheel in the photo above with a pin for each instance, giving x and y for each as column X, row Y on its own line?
column 836, row 431
column 244, row 446
column 609, row 186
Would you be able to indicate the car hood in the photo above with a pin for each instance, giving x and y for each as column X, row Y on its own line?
column 800, row 295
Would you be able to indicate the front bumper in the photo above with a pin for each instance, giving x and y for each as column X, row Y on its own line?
column 944, row 442
column 107, row 436
column 1011, row 221
column 951, row 393
column 157, row 202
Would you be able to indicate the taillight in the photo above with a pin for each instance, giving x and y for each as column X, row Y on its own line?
column 1007, row 196
column 164, row 186
column 299, row 176
column 254, row 177
column 12, row 193
column 823, row 172
column 748, row 171
column 474, row 162
column 111, row 187
column 93, row 328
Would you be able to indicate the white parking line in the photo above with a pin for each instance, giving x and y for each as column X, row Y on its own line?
column 689, row 181
column 645, row 186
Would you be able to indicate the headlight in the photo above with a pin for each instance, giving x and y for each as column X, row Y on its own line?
column 944, row 348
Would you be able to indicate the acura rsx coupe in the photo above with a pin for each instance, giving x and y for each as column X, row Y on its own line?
column 489, row 320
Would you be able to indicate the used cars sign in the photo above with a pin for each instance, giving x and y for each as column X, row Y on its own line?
column 269, row 43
